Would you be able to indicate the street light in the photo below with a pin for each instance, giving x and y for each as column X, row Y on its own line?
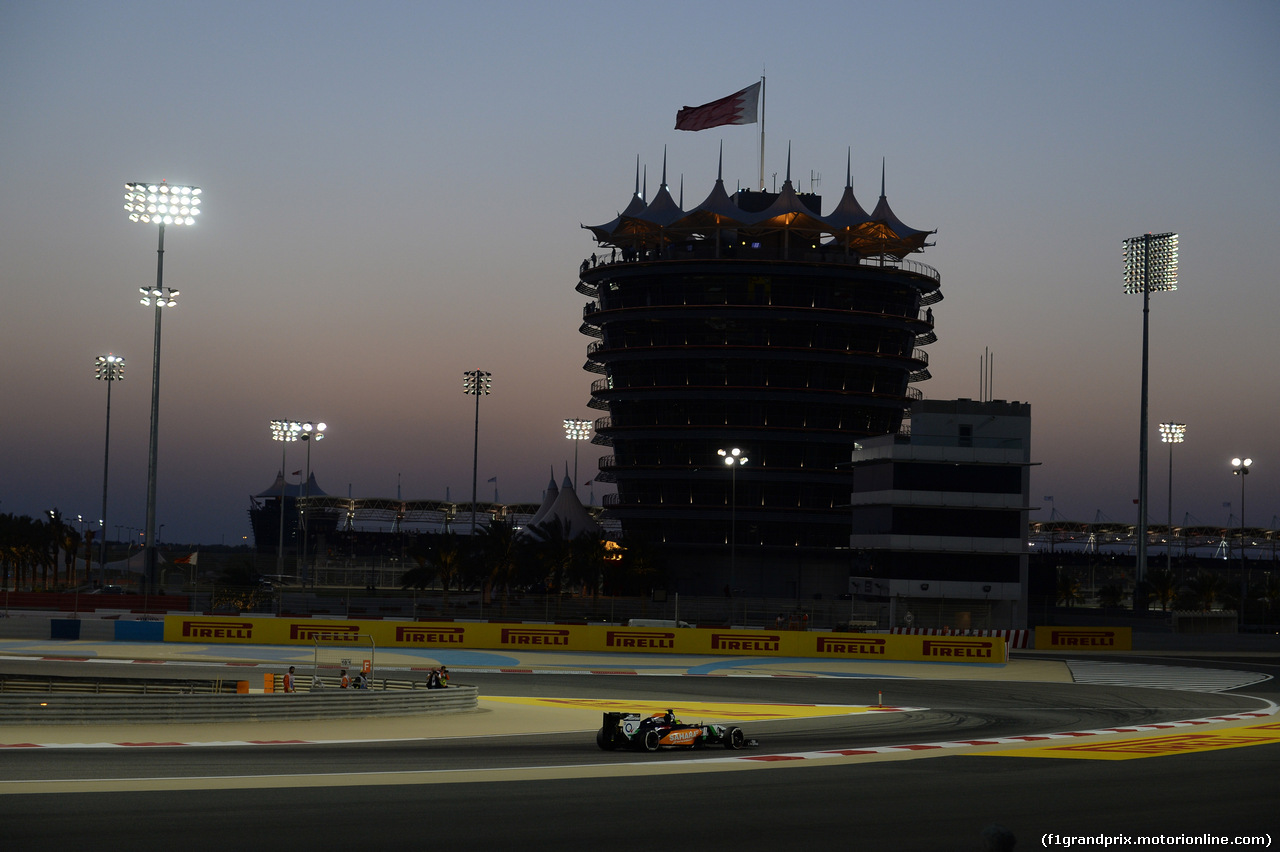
column 110, row 369
column 576, row 430
column 1150, row 264
column 162, row 205
column 734, row 459
column 475, row 383
column 1171, row 433
column 1240, row 468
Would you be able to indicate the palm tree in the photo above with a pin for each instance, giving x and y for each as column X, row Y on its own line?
column 1068, row 589
column 495, row 552
column 439, row 556
column 1110, row 595
column 554, row 551
column 70, row 542
column 1206, row 589
column 590, row 558
column 1164, row 586
column 643, row 565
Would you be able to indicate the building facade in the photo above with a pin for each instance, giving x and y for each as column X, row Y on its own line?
column 755, row 322
column 939, row 516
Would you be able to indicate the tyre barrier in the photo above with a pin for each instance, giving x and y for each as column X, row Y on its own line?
column 62, row 708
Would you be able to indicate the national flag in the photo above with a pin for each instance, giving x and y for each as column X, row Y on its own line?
column 1049, row 499
column 296, row 473
column 738, row 108
column 189, row 559
column 495, row 479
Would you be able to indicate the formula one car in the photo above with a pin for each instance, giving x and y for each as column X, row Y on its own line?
column 635, row 731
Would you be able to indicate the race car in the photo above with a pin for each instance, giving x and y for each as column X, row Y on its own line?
column 637, row 731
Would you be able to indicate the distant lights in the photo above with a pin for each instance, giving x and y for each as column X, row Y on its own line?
column 1173, row 433
column 1241, row 466
column 162, row 204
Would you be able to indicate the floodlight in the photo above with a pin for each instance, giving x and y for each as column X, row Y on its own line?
column 162, row 204
column 1151, row 263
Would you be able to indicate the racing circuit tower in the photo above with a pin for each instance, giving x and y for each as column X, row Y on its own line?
column 751, row 321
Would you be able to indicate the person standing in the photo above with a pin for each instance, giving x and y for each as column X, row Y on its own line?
column 288, row 681
column 345, row 682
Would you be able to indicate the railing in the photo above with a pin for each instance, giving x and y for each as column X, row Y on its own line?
column 913, row 266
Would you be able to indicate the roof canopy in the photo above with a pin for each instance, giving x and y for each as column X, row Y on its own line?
column 848, row 226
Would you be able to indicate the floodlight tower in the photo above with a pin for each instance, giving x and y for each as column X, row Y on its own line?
column 475, row 383
column 162, row 205
column 1171, row 433
column 1240, row 468
column 1150, row 264
column 576, row 430
column 310, row 432
column 110, row 369
column 285, row 431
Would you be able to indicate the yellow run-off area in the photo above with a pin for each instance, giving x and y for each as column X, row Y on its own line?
column 1160, row 745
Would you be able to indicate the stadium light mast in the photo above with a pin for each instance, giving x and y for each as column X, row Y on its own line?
column 576, row 430
column 158, row 204
column 110, row 369
column 285, row 431
column 310, row 432
column 1150, row 264
column 1171, row 433
column 1240, row 468
column 475, row 383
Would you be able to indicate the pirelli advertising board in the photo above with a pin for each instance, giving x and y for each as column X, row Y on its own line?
column 1084, row 639
column 989, row 650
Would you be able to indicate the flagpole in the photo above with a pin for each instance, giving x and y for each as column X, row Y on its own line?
column 762, row 133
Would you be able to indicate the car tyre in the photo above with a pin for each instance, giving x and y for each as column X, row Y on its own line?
column 734, row 739
column 652, row 739
column 604, row 739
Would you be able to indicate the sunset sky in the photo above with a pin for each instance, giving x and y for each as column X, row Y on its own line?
column 394, row 193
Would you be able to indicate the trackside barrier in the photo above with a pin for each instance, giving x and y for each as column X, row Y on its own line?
column 1015, row 638
column 1084, row 638
column 593, row 638
column 71, row 709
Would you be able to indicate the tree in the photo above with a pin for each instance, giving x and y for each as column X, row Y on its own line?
column 1205, row 589
column 554, row 552
column 1163, row 585
column 1068, row 589
column 1110, row 595
column 438, row 556
column 590, row 558
column 495, row 553
column 643, row 567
